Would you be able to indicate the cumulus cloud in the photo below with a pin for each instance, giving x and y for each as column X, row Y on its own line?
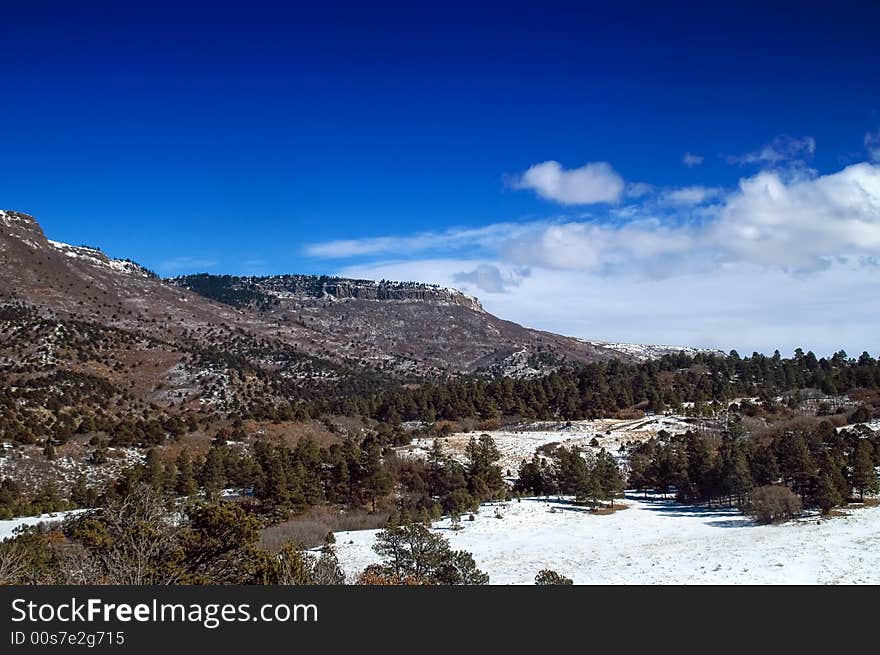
column 782, row 260
column 598, row 248
column 794, row 222
column 802, row 224
column 491, row 278
column 872, row 145
column 690, row 160
column 781, row 149
column 595, row 182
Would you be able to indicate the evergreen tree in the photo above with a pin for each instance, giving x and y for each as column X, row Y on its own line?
column 606, row 479
column 864, row 478
column 827, row 495
column 186, row 480
column 153, row 469
column 213, row 472
column 377, row 480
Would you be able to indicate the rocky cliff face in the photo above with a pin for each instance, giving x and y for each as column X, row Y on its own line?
column 242, row 290
column 371, row 290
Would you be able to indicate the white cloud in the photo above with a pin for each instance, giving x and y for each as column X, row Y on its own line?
column 872, row 145
column 451, row 239
column 491, row 278
column 595, row 247
column 595, row 182
column 690, row 160
column 802, row 224
column 783, row 148
column 742, row 306
column 795, row 222
column 690, row 195
column 784, row 260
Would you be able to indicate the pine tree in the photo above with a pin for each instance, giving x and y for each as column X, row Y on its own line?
column 153, row 470
column 827, row 495
column 186, row 480
column 213, row 472
column 377, row 480
column 606, row 479
column 864, row 478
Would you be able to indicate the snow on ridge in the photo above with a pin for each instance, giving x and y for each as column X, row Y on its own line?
column 14, row 217
column 650, row 351
column 96, row 257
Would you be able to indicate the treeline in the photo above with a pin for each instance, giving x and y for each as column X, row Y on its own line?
column 823, row 467
column 15, row 501
column 602, row 388
column 278, row 481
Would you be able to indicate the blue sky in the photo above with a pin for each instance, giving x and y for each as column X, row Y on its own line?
column 694, row 175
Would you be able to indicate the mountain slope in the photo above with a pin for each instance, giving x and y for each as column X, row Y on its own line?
column 402, row 327
column 398, row 328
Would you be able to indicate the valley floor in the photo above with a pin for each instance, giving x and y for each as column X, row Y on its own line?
column 653, row 542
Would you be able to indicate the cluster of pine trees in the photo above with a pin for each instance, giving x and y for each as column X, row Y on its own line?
column 148, row 537
column 823, row 466
column 600, row 389
column 279, row 481
column 15, row 501
column 572, row 471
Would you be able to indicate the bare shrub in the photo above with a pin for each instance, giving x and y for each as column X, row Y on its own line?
column 309, row 530
column 629, row 414
column 13, row 563
column 132, row 542
column 773, row 503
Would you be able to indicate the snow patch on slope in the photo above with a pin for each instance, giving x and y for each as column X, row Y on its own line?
column 97, row 258
column 644, row 352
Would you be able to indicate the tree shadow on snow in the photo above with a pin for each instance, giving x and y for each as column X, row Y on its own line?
column 558, row 504
column 729, row 517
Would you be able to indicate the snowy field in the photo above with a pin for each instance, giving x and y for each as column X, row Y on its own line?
column 653, row 542
column 517, row 445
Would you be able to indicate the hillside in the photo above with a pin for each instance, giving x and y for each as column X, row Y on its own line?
column 226, row 343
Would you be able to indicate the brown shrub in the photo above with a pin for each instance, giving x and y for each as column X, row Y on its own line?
column 630, row 413
column 773, row 503
column 377, row 575
column 489, row 424
column 310, row 529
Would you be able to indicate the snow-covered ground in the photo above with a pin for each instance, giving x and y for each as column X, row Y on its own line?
column 871, row 425
column 517, row 445
column 653, row 542
column 7, row 528
column 642, row 351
